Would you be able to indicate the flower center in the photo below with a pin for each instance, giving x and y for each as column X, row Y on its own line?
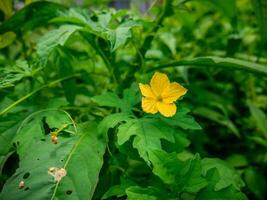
column 159, row 98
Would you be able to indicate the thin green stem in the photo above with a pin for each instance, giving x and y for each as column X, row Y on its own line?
column 2, row 112
column 212, row 61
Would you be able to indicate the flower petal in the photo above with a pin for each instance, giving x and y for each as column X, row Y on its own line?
column 146, row 91
column 166, row 110
column 173, row 92
column 149, row 105
column 159, row 82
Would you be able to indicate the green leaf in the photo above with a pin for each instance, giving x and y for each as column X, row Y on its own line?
column 14, row 73
column 228, row 7
column 7, row 7
column 259, row 117
column 52, row 39
column 149, row 193
column 260, row 8
column 209, row 192
column 182, row 119
column 34, row 15
column 108, row 99
column 258, row 140
column 81, row 157
column 111, row 121
column 8, row 129
column 256, row 182
column 227, row 176
column 121, row 34
column 185, row 176
column 65, row 68
column 118, row 190
column 218, row 62
column 36, row 126
column 147, row 135
column 217, row 117
column 72, row 16
column 169, row 40
column 6, row 39
column 131, row 96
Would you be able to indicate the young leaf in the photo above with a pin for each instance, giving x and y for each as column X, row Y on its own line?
column 81, row 157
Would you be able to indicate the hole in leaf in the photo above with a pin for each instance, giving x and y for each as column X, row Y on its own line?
column 94, row 18
column 27, row 188
column 26, row 175
column 45, row 126
column 68, row 192
column 42, row 139
column 38, row 159
column 10, row 166
column 61, row 160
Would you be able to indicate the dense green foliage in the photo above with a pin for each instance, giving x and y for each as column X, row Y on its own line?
column 69, row 100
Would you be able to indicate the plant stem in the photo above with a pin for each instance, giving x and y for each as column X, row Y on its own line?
column 147, row 43
column 2, row 112
column 212, row 61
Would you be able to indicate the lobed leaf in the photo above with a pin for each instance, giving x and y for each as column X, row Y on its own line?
column 147, row 135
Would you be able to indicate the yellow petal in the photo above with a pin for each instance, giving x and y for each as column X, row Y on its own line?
column 173, row 92
column 159, row 82
column 166, row 110
column 146, row 91
column 149, row 105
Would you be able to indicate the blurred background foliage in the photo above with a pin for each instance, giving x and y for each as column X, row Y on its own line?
column 230, row 104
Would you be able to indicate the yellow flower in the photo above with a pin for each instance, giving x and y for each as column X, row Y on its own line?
column 160, row 95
